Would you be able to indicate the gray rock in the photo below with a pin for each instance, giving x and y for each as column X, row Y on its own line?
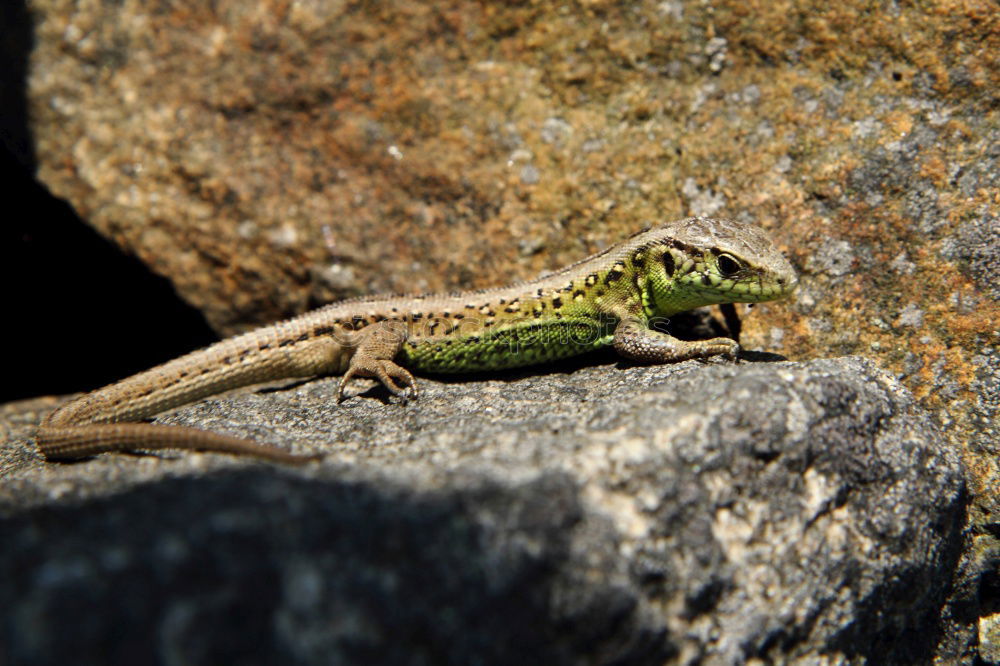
column 702, row 201
column 911, row 315
column 834, row 258
column 976, row 246
column 902, row 264
column 893, row 169
column 697, row 513
column 555, row 130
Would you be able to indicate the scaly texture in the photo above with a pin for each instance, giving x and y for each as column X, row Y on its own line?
column 620, row 297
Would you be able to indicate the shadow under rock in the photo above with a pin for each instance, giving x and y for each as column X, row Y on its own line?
column 79, row 312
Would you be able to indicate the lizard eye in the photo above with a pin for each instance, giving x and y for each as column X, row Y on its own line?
column 728, row 265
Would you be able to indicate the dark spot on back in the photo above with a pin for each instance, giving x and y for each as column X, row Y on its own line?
column 689, row 250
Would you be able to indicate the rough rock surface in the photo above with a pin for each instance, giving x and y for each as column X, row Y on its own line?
column 701, row 513
column 267, row 156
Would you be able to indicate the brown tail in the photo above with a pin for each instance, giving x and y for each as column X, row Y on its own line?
column 62, row 443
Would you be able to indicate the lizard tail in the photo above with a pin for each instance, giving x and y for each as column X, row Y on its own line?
column 62, row 443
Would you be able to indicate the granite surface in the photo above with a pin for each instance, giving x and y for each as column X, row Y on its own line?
column 598, row 514
column 270, row 156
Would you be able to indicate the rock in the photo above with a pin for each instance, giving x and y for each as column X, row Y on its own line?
column 267, row 158
column 697, row 513
column 977, row 246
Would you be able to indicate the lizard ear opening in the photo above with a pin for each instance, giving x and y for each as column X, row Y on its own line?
column 668, row 263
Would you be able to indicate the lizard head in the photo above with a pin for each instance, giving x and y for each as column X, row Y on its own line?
column 706, row 261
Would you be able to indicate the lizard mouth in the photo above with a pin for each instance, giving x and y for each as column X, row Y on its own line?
column 748, row 291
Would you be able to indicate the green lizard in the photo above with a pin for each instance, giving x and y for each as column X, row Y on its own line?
column 614, row 297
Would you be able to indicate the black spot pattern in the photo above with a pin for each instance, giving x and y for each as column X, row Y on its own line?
column 668, row 263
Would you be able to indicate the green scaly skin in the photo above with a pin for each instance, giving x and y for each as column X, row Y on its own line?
column 578, row 309
column 617, row 297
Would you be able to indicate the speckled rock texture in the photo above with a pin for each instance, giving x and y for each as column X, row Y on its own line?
column 795, row 513
column 270, row 156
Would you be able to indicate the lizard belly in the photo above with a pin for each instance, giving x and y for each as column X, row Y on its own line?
column 510, row 346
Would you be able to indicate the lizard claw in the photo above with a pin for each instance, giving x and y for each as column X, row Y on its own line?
column 388, row 371
column 343, row 384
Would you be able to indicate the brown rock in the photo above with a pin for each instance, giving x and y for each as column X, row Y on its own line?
column 268, row 157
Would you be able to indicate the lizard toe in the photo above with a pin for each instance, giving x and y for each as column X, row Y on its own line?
column 389, row 373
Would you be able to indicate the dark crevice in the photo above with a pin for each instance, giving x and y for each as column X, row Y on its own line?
column 77, row 311
column 80, row 313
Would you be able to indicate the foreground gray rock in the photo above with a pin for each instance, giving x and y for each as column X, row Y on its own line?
column 699, row 513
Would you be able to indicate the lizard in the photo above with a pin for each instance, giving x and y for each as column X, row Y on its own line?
column 618, row 297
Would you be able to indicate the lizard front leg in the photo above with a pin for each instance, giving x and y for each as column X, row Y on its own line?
column 633, row 339
column 378, row 345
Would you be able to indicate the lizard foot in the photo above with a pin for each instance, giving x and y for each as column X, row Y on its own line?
column 384, row 371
